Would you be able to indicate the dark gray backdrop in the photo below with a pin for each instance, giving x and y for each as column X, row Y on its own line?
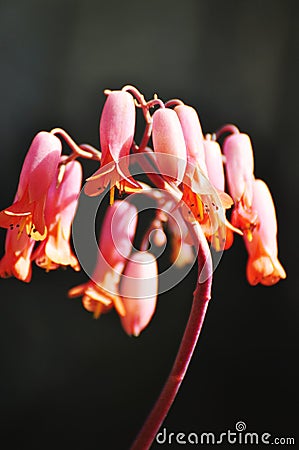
column 68, row 380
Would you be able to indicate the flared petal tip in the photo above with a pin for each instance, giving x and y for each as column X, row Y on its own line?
column 265, row 271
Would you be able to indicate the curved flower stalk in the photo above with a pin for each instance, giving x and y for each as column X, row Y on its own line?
column 117, row 127
column 201, row 298
column 115, row 246
column 263, row 265
column 38, row 171
column 138, row 291
column 61, row 206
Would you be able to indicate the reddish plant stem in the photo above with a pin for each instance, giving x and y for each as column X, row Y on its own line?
column 148, row 167
column 90, row 149
column 145, row 106
column 147, row 133
column 91, row 153
column 142, row 103
column 201, row 297
column 228, row 128
column 174, row 102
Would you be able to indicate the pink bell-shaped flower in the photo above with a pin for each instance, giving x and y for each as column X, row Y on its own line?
column 169, row 145
column 138, row 290
column 61, row 206
column 200, row 196
column 101, row 293
column 193, row 136
column 238, row 153
column 239, row 166
column 117, row 127
column 38, row 172
column 263, row 265
column 214, row 164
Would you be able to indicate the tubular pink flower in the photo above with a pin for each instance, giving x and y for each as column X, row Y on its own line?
column 138, row 290
column 115, row 245
column 214, row 163
column 238, row 152
column 202, row 199
column 61, row 206
column 169, row 144
column 193, row 136
column 38, row 171
column 213, row 159
column 263, row 265
column 117, row 127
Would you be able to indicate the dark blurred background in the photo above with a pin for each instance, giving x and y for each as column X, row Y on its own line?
column 68, row 380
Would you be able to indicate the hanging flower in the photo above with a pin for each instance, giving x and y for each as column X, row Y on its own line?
column 204, row 202
column 61, row 206
column 193, row 136
column 117, row 127
column 138, row 290
column 115, row 246
column 38, row 172
column 263, row 265
column 239, row 166
column 169, row 145
column 214, row 164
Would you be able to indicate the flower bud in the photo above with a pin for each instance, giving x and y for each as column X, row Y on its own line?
column 117, row 126
column 214, row 164
column 138, row 289
column 169, row 144
column 239, row 167
column 193, row 136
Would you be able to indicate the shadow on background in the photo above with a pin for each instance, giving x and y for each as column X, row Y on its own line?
column 69, row 380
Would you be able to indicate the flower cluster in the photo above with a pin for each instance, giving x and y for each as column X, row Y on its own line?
column 193, row 171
